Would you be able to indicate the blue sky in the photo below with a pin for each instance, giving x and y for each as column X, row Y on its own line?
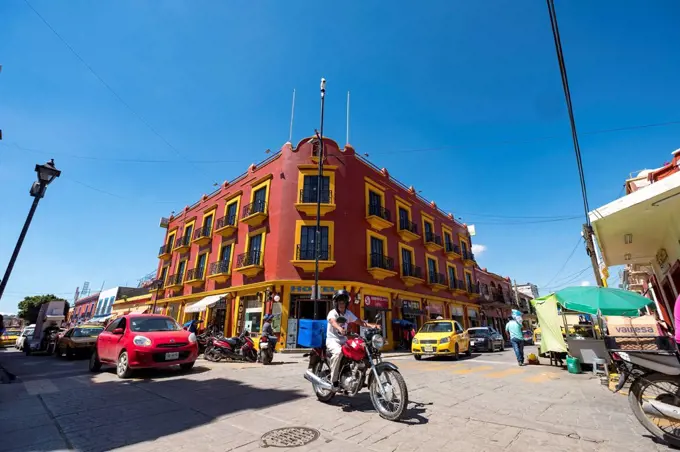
column 463, row 100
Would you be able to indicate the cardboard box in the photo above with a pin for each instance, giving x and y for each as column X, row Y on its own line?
column 644, row 326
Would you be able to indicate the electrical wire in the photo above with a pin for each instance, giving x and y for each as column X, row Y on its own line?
column 571, row 279
column 570, row 110
column 580, row 239
column 108, row 193
column 108, row 87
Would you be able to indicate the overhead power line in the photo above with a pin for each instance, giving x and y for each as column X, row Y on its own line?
column 580, row 239
column 107, row 86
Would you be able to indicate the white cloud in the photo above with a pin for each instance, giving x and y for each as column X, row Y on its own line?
column 478, row 249
column 585, row 283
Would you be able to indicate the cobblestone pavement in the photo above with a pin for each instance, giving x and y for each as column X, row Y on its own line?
column 482, row 403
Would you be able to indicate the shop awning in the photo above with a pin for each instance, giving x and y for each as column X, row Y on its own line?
column 139, row 310
column 203, row 304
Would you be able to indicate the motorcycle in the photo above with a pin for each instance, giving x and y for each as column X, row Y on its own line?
column 654, row 395
column 361, row 366
column 267, row 349
column 241, row 348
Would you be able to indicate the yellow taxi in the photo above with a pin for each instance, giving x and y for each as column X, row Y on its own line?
column 440, row 338
column 10, row 337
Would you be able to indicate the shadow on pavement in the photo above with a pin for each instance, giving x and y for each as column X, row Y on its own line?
column 362, row 402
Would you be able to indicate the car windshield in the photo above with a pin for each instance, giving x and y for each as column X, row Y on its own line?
column 150, row 324
column 438, row 327
column 479, row 332
column 87, row 332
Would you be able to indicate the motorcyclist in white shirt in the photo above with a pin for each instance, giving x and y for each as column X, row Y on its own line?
column 336, row 332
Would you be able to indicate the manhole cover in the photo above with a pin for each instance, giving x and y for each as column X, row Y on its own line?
column 289, row 437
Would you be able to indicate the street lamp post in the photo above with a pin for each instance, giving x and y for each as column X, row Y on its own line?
column 319, row 184
column 46, row 174
column 159, row 285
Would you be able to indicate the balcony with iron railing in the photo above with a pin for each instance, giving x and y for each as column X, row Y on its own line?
column 473, row 290
column 219, row 271
column 226, row 226
column 433, row 242
column 380, row 266
column 174, row 281
column 165, row 252
column 436, row 281
column 379, row 217
column 195, row 276
column 183, row 244
column 250, row 263
column 411, row 274
column 468, row 258
column 203, row 235
column 457, row 286
column 452, row 250
column 305, row 257
column 307, row 202
column 254, row 213
column 408, row 230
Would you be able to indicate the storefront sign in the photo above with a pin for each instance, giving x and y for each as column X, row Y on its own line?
column 436, row 308
column 308, row 289
column 374, row 301
column 411, row 308
column 239, row 317
column 456, row 311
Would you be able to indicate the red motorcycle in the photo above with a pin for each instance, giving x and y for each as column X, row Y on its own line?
column 241, row 348
column 361, row 366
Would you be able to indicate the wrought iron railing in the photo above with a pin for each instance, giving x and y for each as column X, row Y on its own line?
column 165, row 249
column 254, row 207
column 249, row 258
column 468, row 255
column 225, row 221
column 219, row 267
column 379, row 211
column 407, row 225
column 431, row 237
column 437, row 278
column 309, row 196
column 452, row 248
column 411, row 270
column 381, row 261
column 306, row 252
column 182, row 241
column 174, row 280
column 202, row 232
column 195, row 273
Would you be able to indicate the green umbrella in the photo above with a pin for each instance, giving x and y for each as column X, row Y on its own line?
column 602, row 300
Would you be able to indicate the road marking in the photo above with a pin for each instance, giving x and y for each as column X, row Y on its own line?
column 542, row 378
column 504, row 373
column 35, row 387
column 469, row 370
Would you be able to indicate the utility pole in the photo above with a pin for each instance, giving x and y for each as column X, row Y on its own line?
column 319, row 184
column 590, row 250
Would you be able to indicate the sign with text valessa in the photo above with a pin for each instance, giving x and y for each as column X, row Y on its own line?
column 644, row 326
column 374, row 301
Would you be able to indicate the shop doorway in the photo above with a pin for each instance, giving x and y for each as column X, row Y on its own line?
column 302, row 307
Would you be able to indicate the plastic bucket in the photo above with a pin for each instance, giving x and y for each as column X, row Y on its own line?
column 573, row 365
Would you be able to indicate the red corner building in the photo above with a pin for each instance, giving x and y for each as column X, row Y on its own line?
column 248, row 249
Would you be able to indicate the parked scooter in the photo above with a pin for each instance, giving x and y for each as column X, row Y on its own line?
column 241, row 348
column 267, row 349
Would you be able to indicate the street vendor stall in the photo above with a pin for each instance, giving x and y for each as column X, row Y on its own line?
column 585, row 339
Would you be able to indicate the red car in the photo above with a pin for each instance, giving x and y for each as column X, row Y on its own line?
column 137, row 341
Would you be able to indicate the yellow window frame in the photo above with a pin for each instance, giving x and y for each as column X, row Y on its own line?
column 372, row 185
column 447, row 230
column 427, row 218
column 213, row 212
column 312, row 170
column 261, row 231
column 171, row 237
column 401, row 261
column 331, row 235
column 371, row 234
column 191, row 224
column 448, row 275
column 462, row 240
column 179, row 264
column 235, row 198
column 400, row 202
column 427, row 264
column 265, row 182
column 472, row 281
column 220, row 256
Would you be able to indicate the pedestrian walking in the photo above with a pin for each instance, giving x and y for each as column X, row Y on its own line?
column 514, row 329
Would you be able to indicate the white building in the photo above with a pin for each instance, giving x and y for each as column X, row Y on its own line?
column 528, row 289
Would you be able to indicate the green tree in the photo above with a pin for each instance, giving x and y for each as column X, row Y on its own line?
column 29, row 307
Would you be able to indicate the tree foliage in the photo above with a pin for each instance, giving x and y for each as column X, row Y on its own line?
column 29, row 307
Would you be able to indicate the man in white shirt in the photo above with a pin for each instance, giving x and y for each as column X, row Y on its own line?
column 336, row 331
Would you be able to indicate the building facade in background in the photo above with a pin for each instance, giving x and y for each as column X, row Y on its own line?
column 641, row 230
column 103, row 309
column 84, row 308
column 248, row 249
column 528, row 289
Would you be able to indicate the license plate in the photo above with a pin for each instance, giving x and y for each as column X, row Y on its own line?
column 473, row 342
column 171, row 356
column 427, row 349
column 264, row 345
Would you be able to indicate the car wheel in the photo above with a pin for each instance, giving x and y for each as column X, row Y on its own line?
column 468, row 352
column 502, row 347
column 69, row 353
column 95, row 364
column 57, row 352
column 187, row 366
column 418, row 357
column 123, row 365
column 456, row 353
